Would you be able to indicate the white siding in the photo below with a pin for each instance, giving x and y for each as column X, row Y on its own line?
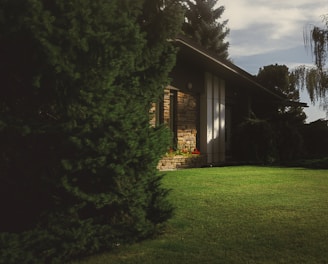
column 212, row 119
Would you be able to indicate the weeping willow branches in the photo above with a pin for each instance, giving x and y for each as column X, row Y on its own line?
column 320, row 40
column 315, row 79
column 317, row 39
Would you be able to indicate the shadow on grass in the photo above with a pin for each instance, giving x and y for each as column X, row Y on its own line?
column 321, row 163
column 315, row 163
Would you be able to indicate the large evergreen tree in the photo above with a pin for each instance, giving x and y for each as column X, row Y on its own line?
column 203, row 26
column 78, row 156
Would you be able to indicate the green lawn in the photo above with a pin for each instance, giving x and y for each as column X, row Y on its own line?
column 242, row 214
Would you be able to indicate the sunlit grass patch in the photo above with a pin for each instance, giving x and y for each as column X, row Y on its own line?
column 242, row 214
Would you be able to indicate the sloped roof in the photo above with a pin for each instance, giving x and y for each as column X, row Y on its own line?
column 230, row 71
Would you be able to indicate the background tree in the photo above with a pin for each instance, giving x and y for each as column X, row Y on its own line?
column 288, row 120
column 280, row 79
column 202, row 25
column 78, row 157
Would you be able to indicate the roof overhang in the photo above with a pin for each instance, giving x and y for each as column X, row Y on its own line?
column 196, row 55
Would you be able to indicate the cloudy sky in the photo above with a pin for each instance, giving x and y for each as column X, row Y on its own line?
column 264, row 32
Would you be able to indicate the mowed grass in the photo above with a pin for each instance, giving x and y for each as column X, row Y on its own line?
column 243, row 214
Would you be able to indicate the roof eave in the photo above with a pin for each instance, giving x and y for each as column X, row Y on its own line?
column 230, row 67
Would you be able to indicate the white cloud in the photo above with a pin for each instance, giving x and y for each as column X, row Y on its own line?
column 269, row 25
column 264, row 32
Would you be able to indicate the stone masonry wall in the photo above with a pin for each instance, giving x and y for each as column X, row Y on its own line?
column 152, row 113
column 187, row 119
column 181, row 161
column 166, row 106
column 186, row 124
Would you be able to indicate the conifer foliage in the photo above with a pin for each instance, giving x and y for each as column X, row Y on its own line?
column 203, row 26
column 78, row 156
